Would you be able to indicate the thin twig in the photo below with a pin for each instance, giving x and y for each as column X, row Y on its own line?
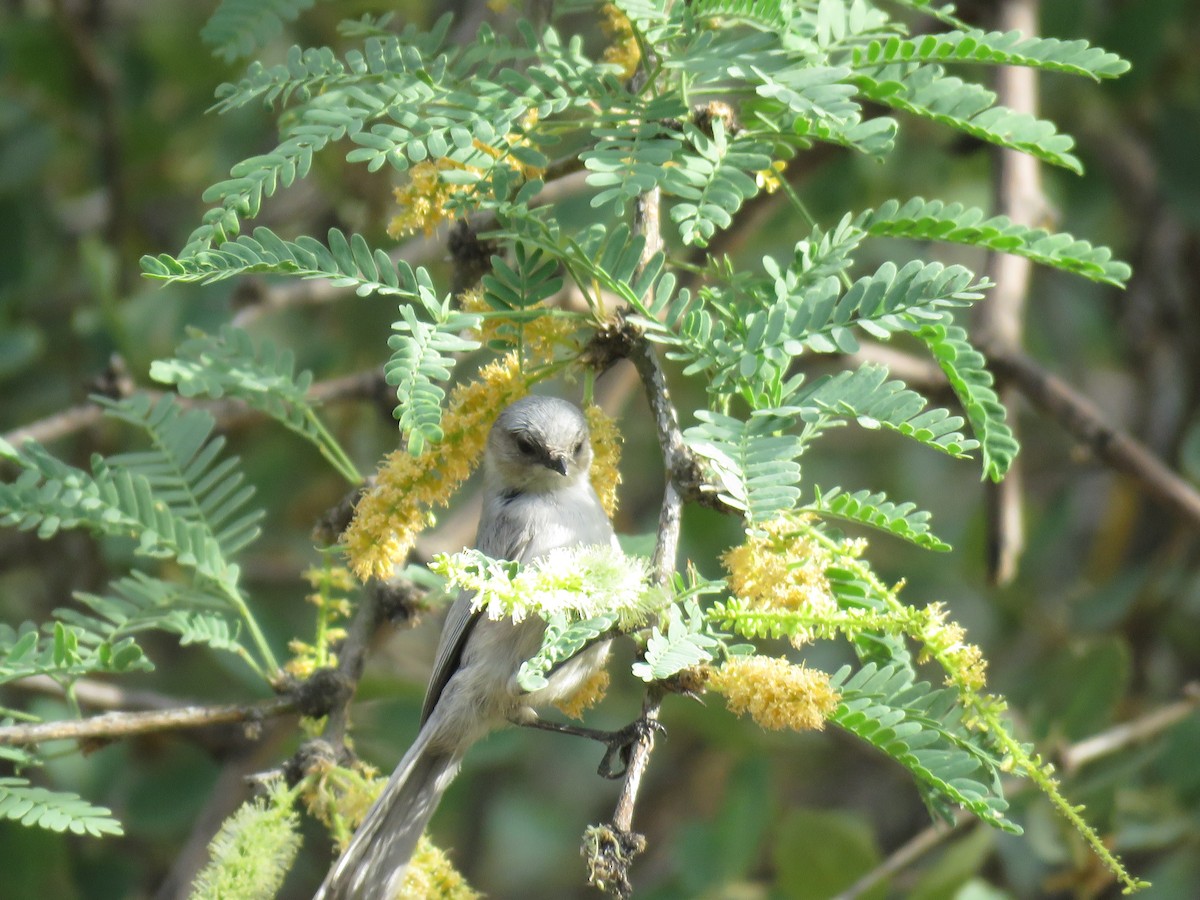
column 127, row 724
column 905, row 855
column 1017, row 190
column 368, row 384
column 1080, row 417
column 98, row 694
column 59, row 425
column 1119, row 737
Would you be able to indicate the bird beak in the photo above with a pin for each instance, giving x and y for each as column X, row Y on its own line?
column 557, row 462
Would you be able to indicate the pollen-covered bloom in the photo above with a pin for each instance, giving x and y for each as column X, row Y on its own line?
column 781, row 567
column 578, row 582
column 624, row 50
column 424, row 200
column 946, row 641
column 430, row 874
column 777, row 694
column 398, row 507
column 606, row 449
column 541, row 337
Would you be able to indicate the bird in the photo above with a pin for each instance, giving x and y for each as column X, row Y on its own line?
column 537, row 497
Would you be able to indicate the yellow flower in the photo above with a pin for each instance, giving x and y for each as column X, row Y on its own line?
column 776, row 693
column 606, row 447
column 768, row 180
column 965, row 666
column 624, row 50
column 339, row 797
column 391, row 514
column 540, row 338
column 780, row 567
column 431, row 876
column 589, row 694
column 424, row 199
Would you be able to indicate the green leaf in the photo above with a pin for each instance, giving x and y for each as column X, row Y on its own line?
column 239, row 27
column 420, row 360
column 922, row 729
column 712, row 177
column 965, row 368
column 1012, row 48
column 902, row 520
column 753, row 462
column 267, row 253
column 531, row 279
column 867, row 395
column 184, row 476
column 926, row 91
column 54, row 810
column 633, row 146
column 263, row 377
column 934, row 220
column 560, row 641
column 686, row 642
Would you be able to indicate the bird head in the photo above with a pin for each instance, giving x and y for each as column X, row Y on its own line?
column 539, row 444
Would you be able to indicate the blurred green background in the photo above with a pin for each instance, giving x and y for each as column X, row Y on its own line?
column 105, row 150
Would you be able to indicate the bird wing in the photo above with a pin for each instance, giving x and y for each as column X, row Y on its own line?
column 498, row 543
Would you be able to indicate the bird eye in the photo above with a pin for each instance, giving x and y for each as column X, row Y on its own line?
column 578, row 448
column 525, row 445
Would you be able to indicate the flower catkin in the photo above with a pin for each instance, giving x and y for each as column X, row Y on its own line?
column 389, row 517
column 431, row 876
column 775, row 693
column 779, row 567
column 606, row 449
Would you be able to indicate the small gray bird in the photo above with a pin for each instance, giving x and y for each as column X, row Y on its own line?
column 537, row 498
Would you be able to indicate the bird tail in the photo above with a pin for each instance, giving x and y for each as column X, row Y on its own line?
column 374, row 863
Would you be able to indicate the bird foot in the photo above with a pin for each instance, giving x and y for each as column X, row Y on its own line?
column 619, row 742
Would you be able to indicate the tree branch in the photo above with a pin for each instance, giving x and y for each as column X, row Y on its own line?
column 1117, row 738
column 1080, row 417
column 1017, row 193
column 127, row 724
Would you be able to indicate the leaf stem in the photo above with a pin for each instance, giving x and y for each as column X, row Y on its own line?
column 332, row 450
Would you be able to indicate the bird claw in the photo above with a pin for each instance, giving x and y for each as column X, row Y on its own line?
column 620, row 745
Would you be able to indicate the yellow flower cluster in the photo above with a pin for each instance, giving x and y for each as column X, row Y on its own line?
column 589, row 694
column 330, row 585
column 540, row 338
column 776, row 693
column 781, row 567
column 769, row 179
column 339, row 796
column 431, row 876
column 945, row 641
column 606, row 447
column 624, row 50
column 425, row 198
column 389, row 517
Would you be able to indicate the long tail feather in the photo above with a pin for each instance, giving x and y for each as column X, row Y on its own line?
column 373, row 865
